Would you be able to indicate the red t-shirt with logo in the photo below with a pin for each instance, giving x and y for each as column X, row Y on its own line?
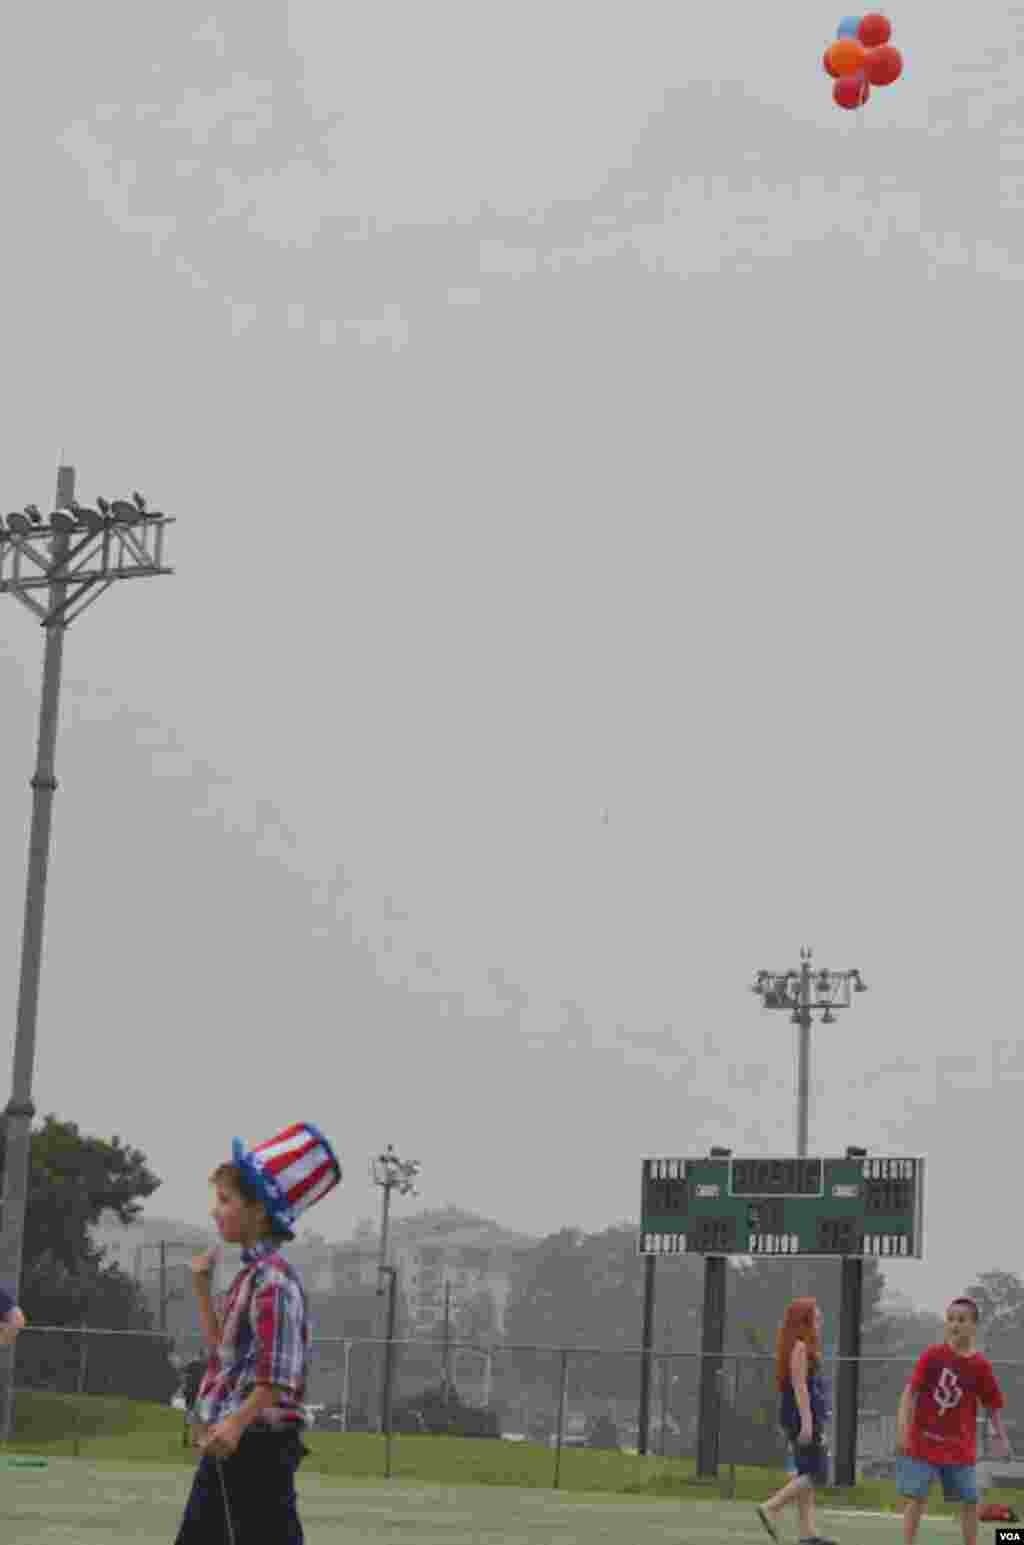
column 948, row 1386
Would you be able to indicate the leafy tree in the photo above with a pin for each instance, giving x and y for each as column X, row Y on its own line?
column 1000, row 1299
column 547, row 1298
column 73, row 1180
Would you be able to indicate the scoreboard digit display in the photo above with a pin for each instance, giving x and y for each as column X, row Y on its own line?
column 783, row 1207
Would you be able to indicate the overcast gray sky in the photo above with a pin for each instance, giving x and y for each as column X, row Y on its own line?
column 566, row 409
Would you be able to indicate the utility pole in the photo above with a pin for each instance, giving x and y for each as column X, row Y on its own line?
column 70, row 556
column 166, row 1296
column 446, row 1378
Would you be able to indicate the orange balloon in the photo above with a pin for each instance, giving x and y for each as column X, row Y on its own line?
column 883, row 65
column 827, row 61
column 845, row 57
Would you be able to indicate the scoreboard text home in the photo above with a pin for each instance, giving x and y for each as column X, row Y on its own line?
column 782, row 1207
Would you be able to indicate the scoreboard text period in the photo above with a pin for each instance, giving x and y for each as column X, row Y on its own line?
column 783, row 1207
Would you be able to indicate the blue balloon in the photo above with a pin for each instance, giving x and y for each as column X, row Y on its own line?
column 849, row 27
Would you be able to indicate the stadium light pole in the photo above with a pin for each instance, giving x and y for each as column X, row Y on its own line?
column 805, row 993
column 391, row 1173
column 56, row 565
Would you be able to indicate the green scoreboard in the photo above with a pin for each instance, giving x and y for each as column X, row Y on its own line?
column 782, row 1207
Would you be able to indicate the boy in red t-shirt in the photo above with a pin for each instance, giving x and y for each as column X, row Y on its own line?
column 937, row 1422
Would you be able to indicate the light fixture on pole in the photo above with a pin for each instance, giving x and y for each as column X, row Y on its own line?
column 56, row 565
column 803, row 994
column 392, row 1174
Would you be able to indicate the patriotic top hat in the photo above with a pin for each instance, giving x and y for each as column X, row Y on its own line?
column 291, row 1172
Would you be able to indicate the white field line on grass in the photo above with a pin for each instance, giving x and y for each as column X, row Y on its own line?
column 893, row 1518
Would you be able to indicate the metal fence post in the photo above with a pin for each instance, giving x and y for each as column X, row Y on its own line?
column 83, row 1363
column 561, row 1415
column 346, row 1348
column 663, row 1380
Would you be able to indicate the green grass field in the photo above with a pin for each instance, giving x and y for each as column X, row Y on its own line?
column 106, row 1503
column 132, row 1474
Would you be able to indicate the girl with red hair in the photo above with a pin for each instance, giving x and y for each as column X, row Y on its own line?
column 803, row 1410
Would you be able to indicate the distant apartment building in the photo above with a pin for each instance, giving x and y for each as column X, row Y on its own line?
column 473, row 1256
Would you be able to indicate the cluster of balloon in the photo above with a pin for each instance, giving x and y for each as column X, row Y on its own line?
column 862, row 57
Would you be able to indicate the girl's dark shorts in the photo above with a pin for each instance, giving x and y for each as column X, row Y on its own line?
column 260, row 1482
column 811, row 1458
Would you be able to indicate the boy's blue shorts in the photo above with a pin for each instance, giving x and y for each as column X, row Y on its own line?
column 915, row 1476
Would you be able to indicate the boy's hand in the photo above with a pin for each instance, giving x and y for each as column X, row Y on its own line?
column 1001, row 1445
column 203, row 1265
column 10, row 1327
column 221, row 1440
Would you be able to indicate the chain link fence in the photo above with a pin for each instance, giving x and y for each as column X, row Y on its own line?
column 562, row 1398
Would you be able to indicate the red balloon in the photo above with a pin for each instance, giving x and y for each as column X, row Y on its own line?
column 883, row 65
column 874, row 30
column 851, row 91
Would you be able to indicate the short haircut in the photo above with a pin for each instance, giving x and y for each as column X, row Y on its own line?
column 235, row 1178
column 966, row 1303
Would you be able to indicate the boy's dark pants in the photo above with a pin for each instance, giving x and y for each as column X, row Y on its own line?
column 260, row 1482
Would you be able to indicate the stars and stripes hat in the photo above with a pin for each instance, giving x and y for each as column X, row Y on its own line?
column 291, row 1172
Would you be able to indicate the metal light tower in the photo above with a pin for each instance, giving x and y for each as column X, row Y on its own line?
column 56, row 565
column 803, row 994
column 392, row 1174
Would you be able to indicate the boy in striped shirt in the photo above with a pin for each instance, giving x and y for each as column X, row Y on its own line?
column 249, row 1409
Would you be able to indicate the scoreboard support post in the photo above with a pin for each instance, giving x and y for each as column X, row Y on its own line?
column 712, row 1344
column 851, row 1301
column 646, row 1342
